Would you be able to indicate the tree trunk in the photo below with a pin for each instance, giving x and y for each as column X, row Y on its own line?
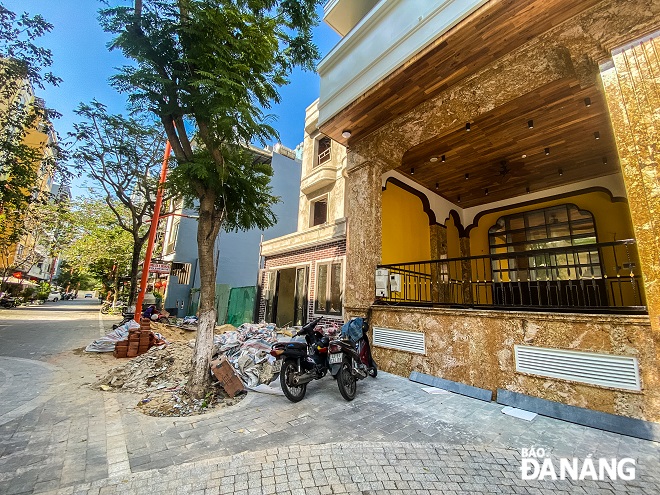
column 116, row 296
column 138, row 242
column 207, row 231
column 4, row 278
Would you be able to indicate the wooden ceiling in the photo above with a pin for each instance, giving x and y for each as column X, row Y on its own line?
column 503, row 157
column 492, row 31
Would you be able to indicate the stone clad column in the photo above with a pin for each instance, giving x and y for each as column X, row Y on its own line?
column 632, row 89
column 439, row 271
column 466, row 270
column 363, row 245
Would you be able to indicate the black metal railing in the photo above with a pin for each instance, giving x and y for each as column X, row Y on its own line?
column 602, row 278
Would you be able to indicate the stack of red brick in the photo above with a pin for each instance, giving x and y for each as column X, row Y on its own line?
column 139, row 341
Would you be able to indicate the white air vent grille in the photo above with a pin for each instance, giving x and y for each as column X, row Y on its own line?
column 586, row 367
column 400, row 339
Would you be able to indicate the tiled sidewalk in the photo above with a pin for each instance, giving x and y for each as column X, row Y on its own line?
column 362, row 467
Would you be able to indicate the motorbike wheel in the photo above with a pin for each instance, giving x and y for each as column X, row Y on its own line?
column 292, row 392
column 346, row 381
column 105, row 309
column 373, row 371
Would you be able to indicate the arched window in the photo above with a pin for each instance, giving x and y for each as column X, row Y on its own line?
column 540, row 232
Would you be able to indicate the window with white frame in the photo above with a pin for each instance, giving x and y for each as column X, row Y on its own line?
column 329, row 283
column 173, row 234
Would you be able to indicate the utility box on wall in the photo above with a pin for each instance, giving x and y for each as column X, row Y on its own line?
column 382, row 282
column 395, row 283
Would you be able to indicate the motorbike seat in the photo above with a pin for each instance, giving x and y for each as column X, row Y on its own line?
column 297, row 345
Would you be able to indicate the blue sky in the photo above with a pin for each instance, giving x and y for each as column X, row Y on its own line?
column 81, row 59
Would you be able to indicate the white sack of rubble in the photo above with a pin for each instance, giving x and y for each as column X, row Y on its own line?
column 107, row 343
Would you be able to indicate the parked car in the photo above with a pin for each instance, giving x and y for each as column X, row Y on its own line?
column 54, row 296
column 88, row 296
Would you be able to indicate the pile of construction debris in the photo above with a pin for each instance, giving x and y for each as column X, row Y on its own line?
column 178, row 403
column 162, row 367
column 160, row 376
column 247, row 349
column 161, row 373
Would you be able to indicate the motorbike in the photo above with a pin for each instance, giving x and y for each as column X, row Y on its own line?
column 8, row 302
column 126, row 317
column 350, row 358
column 112, row 308
column 298, row 363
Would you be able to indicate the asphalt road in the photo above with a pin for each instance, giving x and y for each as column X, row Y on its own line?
column 41, row 331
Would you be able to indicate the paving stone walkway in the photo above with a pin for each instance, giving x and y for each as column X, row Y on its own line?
column 360, row 467
column 59, row 436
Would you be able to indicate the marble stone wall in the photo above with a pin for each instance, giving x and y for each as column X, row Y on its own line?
column 633, row 98
column 476, row 348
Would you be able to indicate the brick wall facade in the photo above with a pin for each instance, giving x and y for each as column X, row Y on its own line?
column 335, row 250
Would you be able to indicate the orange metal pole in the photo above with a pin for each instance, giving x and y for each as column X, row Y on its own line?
column 152, row 234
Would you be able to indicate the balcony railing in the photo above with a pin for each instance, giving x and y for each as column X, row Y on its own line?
column 600, row 278
column 323, row 157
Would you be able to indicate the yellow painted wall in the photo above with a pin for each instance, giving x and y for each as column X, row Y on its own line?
column 35, row 139
column 612, row 219
column 405, row 227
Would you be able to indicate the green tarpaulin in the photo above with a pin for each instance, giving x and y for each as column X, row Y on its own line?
column 241, row 305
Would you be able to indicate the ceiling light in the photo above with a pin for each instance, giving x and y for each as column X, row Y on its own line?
column 561, row 172
column 443, row 158
column 527, row 189
column 524, row 156
column 467, row 176
column 346, row 134
column 587, row 102
column 437, row 186
column 530, row 124
column 604, row 160
column 467, row 126
column 547, row 151
column 433, row 159
column 597, row 135
column 412, row 171
column 486, row 191
column 459, row 198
